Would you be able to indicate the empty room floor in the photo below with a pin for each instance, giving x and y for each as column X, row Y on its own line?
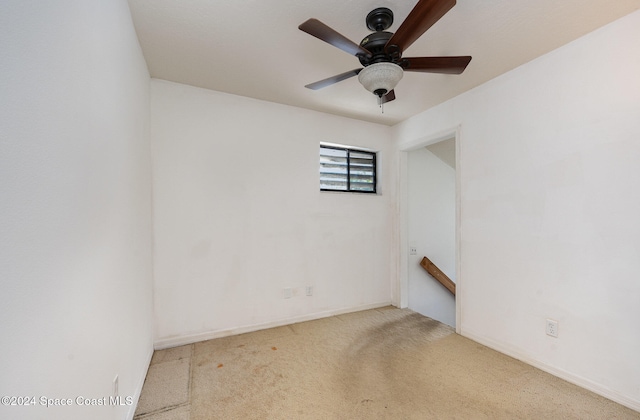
column 385, row 363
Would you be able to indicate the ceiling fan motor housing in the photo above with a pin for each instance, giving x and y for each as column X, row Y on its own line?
column 378, row 20
column 375, row 43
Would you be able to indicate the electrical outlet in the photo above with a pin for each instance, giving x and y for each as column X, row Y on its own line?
column 309, row 290
column 288, row 292
column 552, row 328
column 115, row 386
column 413, row 250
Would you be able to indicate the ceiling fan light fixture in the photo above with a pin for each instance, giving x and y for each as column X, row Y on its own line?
column 380, row 78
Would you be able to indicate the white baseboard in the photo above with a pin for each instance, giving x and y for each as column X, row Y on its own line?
column 165, row 343
column 585, row 383
column 138, row 390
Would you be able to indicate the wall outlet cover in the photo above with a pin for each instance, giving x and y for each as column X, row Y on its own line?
column 552, row 327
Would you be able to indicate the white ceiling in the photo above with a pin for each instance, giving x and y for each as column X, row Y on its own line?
column 254, row 48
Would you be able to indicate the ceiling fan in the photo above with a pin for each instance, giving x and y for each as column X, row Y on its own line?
column 381, row 52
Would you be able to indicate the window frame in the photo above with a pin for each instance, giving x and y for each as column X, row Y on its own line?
column 348, row 150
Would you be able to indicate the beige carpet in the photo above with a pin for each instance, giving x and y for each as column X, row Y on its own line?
column 380, row 364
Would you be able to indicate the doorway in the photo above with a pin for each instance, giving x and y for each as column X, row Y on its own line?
column 429, row 180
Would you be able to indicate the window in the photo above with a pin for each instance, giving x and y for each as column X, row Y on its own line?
column 346, row 169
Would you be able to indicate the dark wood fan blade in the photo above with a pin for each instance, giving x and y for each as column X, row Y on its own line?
column 421, row 18
column 334, row 79
column 321, row 31
column 446, row 65
column 389, row 97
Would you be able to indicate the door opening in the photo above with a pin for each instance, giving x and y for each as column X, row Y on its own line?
column 429, row 226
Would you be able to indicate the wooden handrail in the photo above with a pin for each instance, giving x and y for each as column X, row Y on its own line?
column 438, row 275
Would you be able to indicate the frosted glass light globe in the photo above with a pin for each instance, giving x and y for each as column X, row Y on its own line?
column 380, row 78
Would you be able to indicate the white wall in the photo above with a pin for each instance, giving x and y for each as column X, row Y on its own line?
column 75, row 223
column 432, row 229
column 549, row 209
column 238, row 216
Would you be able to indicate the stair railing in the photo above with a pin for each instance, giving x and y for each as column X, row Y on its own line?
column 437, row 274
